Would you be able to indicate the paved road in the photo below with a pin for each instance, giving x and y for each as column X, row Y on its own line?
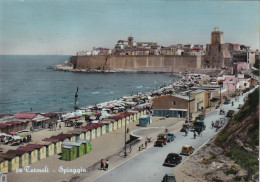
column 147, row 166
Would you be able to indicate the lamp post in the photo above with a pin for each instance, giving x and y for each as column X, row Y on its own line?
column 125, row 136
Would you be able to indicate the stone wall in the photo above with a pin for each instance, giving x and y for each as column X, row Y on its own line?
column 165, row 63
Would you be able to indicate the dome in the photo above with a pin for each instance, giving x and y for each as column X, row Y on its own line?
column 216, row 29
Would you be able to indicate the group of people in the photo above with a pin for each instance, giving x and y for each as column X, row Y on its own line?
column 104, row 166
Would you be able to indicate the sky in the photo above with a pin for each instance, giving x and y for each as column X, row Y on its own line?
column 65, row 27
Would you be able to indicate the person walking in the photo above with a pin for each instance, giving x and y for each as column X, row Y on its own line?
column 106, row 168
column 101, row 164
column 194, row 135
column 186, row 132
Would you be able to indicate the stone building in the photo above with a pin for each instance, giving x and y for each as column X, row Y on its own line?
column 217, row 54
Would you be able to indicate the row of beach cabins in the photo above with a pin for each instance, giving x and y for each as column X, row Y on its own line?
column 71, row 145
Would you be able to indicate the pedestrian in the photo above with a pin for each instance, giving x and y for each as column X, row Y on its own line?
column 194, row 135
column 186, row 132
column 212, row 124
column 60, row 126
column 199, row 132
column 101, row 164
column 106, row 168
column 130, row 149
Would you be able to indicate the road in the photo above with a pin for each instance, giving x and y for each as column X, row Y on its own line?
column 147, row 166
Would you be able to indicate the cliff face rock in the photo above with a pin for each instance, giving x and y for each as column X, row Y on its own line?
column 233, row 155
column 243, row 129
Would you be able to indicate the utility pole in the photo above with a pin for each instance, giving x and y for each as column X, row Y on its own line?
column 189, row 106
column 125, row 136
column 220, row 93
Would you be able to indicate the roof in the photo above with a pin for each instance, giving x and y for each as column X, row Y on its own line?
column 27, row 149
column 54, row 140
column 7, row 156
column 50, row 114
column 66, row 143
column 83, row 141
column 35, row 146
column 16, row 152
column 25, row 115
column 183, row 97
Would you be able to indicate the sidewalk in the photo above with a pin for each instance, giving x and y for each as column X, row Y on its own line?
column 109, row 146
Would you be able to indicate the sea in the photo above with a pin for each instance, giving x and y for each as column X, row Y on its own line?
column 28, row 84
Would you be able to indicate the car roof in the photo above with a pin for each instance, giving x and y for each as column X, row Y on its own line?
column 186, row 146
column 173, row 154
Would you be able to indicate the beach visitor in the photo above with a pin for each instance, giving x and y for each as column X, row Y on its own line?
column 101, row 164
column 106, row 165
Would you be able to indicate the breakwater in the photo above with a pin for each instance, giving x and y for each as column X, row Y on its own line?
column 160, row 63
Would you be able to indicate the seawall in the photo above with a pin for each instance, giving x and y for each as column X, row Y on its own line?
column 161, row 63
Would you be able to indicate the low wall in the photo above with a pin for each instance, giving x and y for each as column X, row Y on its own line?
column 162, row 63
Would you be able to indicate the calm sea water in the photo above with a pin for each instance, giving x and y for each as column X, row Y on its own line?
column 25, row 83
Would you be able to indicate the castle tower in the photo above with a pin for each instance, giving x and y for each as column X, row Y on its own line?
column 217, row 54
column 217, row 37
column 130, row 41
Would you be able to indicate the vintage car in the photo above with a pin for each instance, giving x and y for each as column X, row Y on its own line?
column 170, row 137
column 227, row 101
column 159, row 143
column 230, row 113
column 169, row 178
column 187, row 150
column 172, row 159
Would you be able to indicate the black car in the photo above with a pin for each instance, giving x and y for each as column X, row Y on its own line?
column 172, row 159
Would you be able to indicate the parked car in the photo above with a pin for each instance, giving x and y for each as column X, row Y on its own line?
column 230, row 113
column 187, row 150
column 227, row 101
column 172, row 159
column 159, row 143
column 162, row 137
column 239, row 106
column 170, row 137
column 169, row 178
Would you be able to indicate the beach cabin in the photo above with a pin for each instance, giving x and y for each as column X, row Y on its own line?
column 90, row 133
column 50, row 149
column 13, row 161
column 41, row 150
column 69, row 152
column 57, row 144
column 87, row 145
column 77, row 133
column 66, row 137
column 119, row 123
column 103, row 129
column 144, row 120
column 108, row 125
column 32, row 153
column 3, row 165
column 80, row 149
column 79, row 145
column 23, row 157
column 46, row 147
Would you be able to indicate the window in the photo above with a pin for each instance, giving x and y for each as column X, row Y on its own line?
column 174, row 103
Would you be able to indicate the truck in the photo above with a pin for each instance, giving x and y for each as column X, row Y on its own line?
column 161, row 140
column 199, row 125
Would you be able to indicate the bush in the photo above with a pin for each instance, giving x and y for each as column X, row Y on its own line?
column 212, row 156
column 223, row 136
column 231, row 171
column 244, row 159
